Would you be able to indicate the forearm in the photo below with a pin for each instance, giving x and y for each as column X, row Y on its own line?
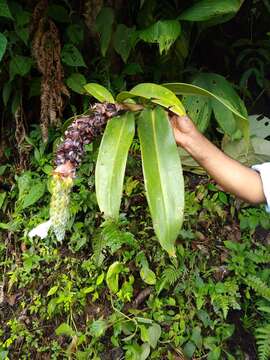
column 231, row 175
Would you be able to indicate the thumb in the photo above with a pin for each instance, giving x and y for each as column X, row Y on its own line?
column 182, row 123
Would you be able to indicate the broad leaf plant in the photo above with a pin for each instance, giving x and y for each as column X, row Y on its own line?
column 146, row 107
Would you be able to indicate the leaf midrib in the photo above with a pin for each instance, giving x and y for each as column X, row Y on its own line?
column 114, row 161
column 159, row 168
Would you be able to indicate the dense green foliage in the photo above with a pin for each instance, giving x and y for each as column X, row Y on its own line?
column 109, row 291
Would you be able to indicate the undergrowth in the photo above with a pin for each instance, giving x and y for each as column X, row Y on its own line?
column 110, row 292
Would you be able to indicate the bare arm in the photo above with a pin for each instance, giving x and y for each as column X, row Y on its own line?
column 231, row 175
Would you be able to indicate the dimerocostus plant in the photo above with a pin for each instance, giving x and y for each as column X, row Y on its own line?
column 147, row 107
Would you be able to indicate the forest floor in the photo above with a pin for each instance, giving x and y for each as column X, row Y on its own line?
column 209, row 302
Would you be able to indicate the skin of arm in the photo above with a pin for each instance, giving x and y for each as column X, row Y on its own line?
column 231, row 175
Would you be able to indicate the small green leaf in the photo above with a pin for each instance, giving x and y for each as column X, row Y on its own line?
column 19, row 65
column 113, row 276
column 104, row 24
column 163, row 176
column 214, row 354
column 4, row 10
column 76, row 83
column 3, row 45
column 64, row 329
column 163, row 32
column 35, row 193
column 100, row 279
column 189, row 349
column 124, row 40
column 196, row 337
column 145, row 351
column 98, row 328
column 72, row 56
column 52, row 290
column 2, row 199
column 111, row 163
column 99, row 92
column 148, row 276
column 75, row 33
column 154, row 333
column 144, row 333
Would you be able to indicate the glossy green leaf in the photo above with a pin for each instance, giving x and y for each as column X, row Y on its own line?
column 145, row 351
column 154, row 333
column 157, row 94
column 72, row 56
column 220, row 92
column 104, row 25
column 189, row 349
column 148, row 276
column 75, row 33
column 99, row 92
column 98, row 328
column 113, row 276
column 76, row 82
column 199, row 110
column 111, row 163
column 19, row 65
column 163, row 32
column 3, row 45
column 2, row 198
column 124, row 40
column 205, row 10
column 35, row 193
column 162, row 176
column 64, row 329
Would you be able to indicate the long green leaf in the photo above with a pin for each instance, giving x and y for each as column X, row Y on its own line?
column 99, row 92
column 205, row 10
column 111, row 163
column 155, row 93
column 162, row 176
column 3, row 45
column 234, row 105
column 104, row 24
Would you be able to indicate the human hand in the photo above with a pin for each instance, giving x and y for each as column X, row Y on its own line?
column 183, row 129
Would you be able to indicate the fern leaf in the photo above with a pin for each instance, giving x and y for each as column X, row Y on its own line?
column 263, row 342
column 259, row 256
column 259, row 286
column 171, row 275
column 98, row 245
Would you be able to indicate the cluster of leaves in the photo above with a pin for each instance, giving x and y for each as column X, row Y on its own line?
column 113, row 292
column 121, row 58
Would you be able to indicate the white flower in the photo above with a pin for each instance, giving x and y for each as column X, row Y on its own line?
column 41, row 230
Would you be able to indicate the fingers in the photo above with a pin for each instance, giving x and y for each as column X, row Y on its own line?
column 182, row 123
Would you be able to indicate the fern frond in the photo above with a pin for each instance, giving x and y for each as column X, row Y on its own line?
column 262, row 335
column 116, row 238
column 112, row 238
column 221, row 301
column 171, row 275
column 259, row 256
column 259, row 286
